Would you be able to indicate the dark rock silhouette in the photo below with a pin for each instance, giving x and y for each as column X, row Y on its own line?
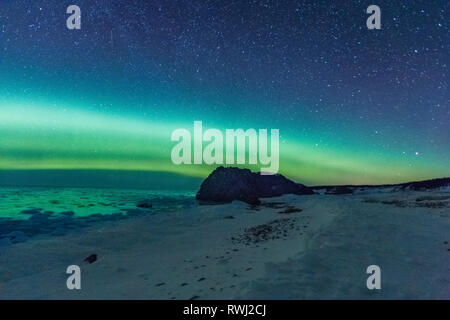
column 224, row 185
column 423, row 185
column 91, row 259
column 144, row 204
column 31, row 211
column 339, row 190
column 427, row 184
column 67, row 213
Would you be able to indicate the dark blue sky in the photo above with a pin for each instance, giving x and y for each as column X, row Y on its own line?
column 378, row 98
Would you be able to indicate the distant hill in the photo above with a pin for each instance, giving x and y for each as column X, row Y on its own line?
column 415, row 185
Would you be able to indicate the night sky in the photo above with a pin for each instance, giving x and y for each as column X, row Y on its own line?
column 352, row 105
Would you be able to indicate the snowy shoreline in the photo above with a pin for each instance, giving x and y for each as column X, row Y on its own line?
column 319, row 251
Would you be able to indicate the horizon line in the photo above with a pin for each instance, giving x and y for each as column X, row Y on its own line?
column 186, row 176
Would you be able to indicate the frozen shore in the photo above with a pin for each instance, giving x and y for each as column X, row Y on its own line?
column 290, row 247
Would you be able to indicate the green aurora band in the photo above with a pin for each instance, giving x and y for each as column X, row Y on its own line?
column 35, row 136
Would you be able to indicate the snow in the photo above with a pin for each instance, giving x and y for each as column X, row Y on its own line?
column 321, row 252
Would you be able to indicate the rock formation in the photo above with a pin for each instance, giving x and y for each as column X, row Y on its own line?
column 224, row 185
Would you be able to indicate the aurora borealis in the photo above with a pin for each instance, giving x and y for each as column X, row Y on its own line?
column 353, row 106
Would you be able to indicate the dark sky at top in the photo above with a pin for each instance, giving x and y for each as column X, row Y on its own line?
column 310, row 68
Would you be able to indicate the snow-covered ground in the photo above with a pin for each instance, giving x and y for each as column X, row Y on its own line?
column 233, row 251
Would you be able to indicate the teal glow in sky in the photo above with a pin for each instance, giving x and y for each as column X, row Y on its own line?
column 352, row 105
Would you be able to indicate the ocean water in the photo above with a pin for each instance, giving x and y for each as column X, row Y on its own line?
column 16, row 202
column 55, row 210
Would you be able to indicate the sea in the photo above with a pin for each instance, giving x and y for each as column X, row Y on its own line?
column 29, row 211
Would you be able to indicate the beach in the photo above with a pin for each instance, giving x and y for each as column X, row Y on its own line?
column 289, row 247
